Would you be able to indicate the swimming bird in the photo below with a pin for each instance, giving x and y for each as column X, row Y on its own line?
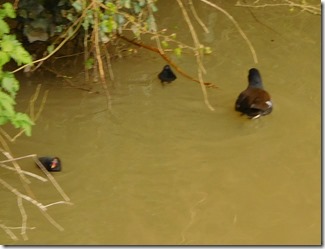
column 254, row 101
column 167, row 75
column 51, row 163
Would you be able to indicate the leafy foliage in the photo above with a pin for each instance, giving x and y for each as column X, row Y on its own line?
column 114, row 16
column 10, row 48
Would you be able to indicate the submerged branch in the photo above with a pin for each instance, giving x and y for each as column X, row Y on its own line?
column 24, row 172
column 52, row 180
column 9, row 232
column 30, row 196
column 23, row 217
column 303, row 6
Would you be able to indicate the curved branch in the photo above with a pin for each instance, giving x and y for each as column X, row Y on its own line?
column 237, row 26
column 156, row 50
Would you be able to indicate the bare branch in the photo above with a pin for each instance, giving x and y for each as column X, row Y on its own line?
column 24, row 172
column 206, row 30
column 9, row 232
column 23, row 217
column 52, row 180
column 303, row 6
column 237, row 26
column 198, row 55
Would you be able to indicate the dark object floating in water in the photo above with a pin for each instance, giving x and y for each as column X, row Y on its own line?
column 254, row 101
column 51, row 163
column 167, row 75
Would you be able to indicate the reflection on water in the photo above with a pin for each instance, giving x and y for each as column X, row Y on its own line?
column 163, row 169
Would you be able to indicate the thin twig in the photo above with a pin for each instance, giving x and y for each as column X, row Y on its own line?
column 52, row 180
column 32, row 101
column 196, row 16
column 24, row 172
column 59, row 202
column 9, row 232
column 237, row 26
column 99, row 59
column 200, row 68
column 304, row 7
column 86, row 55
column 41, row 207
column 17, row 158
column 23, row 217
column 164, row 56
column 52, row 221
column 17, row 167
column 109, row 64
column 25, row 197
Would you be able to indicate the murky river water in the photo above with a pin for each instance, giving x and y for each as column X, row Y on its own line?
column 163, row 168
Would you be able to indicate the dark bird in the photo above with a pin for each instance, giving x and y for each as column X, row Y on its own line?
column 254, row 101
column 167, row 75
column 51, row 163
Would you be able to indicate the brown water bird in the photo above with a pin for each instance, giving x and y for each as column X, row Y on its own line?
column 254, row 101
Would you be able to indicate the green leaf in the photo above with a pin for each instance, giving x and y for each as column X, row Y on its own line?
column 4, row 58
column 207, row 50
column 77, row 5
column 165, row 44
column 9, row 10
column 153, row 7
column 127, row 4
column 4, row 28
column 111, row 8
column 21, row 120
column 152, row 23
column 120, row 19
column 136, row 8
column 3, row 119
column 178, row 51
column 7, row 104
column 107, row 26
column 21, row 56
column 7, row 45
column 142, row 2
column 10, row 84
column 89, row 63
column 50, row 48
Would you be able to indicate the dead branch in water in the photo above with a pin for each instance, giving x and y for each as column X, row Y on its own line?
column 29, row 197
column 26, row 194
column 313, row 9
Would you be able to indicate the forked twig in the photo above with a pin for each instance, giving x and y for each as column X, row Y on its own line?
column 304, row 7
column 237, row 26
column 196, row 16
column 24, row 172
column 23, row 217
column 198, row 55
column 9, row 232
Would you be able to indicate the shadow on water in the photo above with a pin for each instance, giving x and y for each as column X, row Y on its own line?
column 164, row 169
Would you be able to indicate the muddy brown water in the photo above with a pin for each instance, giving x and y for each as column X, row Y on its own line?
column 164, row 169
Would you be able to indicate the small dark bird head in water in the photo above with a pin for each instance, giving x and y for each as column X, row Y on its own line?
column 51, row 163
column 167, row 75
